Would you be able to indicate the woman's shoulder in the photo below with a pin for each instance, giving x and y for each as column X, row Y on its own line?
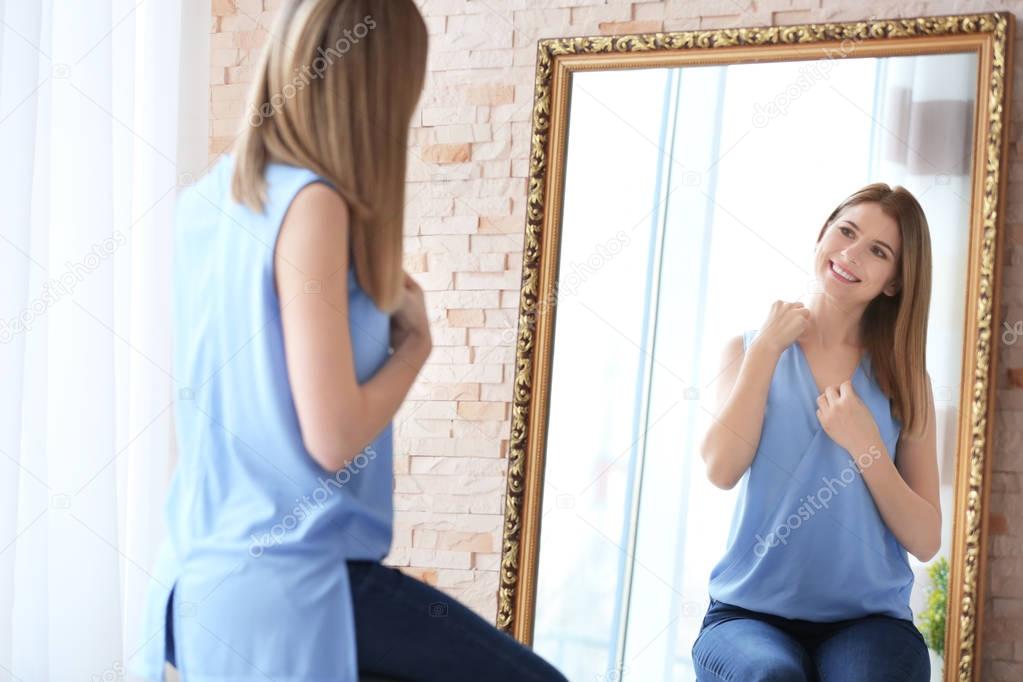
column 288, row 186
column 291, row 178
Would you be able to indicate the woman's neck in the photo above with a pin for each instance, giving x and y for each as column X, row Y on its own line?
column 833, row 324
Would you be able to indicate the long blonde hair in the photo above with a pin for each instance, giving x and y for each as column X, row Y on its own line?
column 337, row 84
column 894, row 328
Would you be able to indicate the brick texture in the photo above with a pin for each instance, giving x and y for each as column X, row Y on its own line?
column 464, row 224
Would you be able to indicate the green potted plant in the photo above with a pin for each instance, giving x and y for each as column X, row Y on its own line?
column 932, row 619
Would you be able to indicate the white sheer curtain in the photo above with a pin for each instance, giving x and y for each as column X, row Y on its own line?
column 102, row 116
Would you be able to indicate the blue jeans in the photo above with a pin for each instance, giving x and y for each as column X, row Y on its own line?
column 746, row 646
column 408, row 631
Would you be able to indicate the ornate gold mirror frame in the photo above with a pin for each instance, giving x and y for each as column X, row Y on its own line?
column 990, row 36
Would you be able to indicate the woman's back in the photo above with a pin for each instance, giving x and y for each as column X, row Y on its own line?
column 258, row 531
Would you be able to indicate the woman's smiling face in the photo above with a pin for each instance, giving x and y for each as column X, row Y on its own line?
column 857, row 258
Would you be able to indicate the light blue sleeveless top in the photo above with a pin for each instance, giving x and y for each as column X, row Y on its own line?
column 258, row 532
column 806, row 539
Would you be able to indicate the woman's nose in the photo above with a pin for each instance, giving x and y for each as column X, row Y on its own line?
column 852, row 253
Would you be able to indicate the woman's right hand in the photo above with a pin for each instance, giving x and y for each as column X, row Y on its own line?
column 409, row 322
column 785, row 323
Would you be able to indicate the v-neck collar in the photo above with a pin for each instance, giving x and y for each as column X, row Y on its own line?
column 809, row 372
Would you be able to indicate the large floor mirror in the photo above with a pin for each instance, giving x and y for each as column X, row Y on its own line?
column 678, row 183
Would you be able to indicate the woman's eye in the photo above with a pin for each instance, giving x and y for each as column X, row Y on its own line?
column 846, row 231
column 879, row 252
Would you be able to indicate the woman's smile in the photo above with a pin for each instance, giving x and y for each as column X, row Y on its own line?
column 841, row 274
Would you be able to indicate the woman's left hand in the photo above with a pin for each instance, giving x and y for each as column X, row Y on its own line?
column 847, row 419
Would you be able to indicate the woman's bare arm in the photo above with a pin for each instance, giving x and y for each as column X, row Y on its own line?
column 740, row 398
column 338, row 417
column 906, row 490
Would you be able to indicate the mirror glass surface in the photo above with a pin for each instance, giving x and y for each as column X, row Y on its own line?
column 693, row 200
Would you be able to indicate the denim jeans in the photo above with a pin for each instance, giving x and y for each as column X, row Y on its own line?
column 747, row 646
column 409, row 631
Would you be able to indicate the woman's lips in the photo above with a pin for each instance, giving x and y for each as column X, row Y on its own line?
column 840, row 278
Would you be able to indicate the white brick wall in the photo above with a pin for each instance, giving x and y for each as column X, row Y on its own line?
column 464, row 227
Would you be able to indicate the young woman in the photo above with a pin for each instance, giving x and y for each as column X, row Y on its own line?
column 297, row 337
column 826, row 419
